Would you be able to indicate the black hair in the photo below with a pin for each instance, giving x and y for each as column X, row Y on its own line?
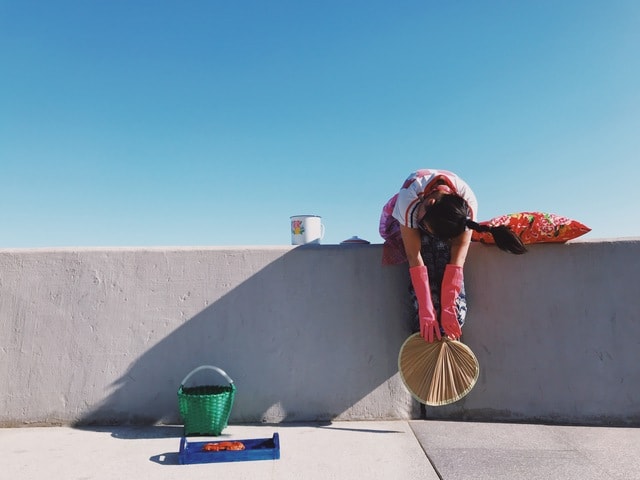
column 449, row 216
column 503, row 236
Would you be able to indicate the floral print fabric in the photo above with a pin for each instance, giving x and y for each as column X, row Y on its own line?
column 535, row 227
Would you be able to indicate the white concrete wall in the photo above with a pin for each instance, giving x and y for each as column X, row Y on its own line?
column 311, row 333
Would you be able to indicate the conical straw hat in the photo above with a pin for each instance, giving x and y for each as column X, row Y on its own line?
column 437, row 373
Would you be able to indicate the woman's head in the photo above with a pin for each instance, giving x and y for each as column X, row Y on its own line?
column 447, row 215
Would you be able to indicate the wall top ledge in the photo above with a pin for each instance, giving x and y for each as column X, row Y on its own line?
column 283, row 248
column 223, row 248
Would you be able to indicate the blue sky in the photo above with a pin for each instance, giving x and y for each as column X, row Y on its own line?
column 167, row 123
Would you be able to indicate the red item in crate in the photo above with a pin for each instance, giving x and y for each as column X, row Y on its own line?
column 220, row 446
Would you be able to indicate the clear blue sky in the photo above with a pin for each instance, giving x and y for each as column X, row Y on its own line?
column 156, row 123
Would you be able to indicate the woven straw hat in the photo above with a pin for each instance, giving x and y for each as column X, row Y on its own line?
column 437, row 373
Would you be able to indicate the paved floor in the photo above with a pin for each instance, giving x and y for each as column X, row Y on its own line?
column 340, row 450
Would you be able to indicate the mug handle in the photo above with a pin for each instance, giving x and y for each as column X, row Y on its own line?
column 321, row 231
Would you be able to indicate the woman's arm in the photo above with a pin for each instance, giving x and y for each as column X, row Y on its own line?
column 412, row 245
column 429, row 327
column 452, row 285
column 460, row 248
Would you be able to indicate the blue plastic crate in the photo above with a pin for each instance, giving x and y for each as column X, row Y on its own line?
column 254, row 449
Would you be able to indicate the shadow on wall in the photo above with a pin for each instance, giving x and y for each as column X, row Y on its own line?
column 305, row 337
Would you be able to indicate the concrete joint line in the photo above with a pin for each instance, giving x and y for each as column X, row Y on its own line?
column 433, row 465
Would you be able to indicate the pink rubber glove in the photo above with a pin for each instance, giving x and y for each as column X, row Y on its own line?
column 426, row 312
column 451, row 286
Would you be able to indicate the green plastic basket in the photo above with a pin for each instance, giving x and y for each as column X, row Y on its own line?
column 205, row 409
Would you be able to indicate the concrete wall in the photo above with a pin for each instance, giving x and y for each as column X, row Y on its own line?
column 311, row 333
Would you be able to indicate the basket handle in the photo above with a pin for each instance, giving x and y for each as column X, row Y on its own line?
column 205, row 367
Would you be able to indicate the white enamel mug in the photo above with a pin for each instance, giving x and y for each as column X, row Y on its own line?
column 306, row 229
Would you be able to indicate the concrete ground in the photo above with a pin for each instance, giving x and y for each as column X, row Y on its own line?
column 406, row 450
